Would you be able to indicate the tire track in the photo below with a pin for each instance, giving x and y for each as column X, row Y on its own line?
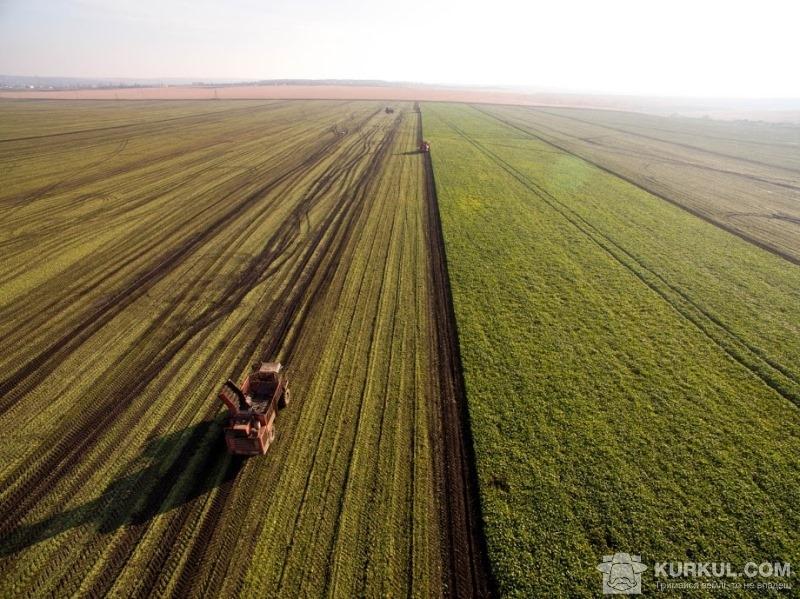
column 144, row 124
column 464, row 543
column 169, row 310
column 117, row 302
column 289, row 303
column 185, row 527
column 365, row 185
column 115, row 252
column 68, row 449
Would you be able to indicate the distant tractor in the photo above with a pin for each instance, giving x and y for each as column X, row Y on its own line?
column 424, row 147
column 250, row 425
column 389, row 110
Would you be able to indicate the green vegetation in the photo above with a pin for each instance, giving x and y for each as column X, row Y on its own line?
column 152, row 250
column 744, row 177
column 633, row 372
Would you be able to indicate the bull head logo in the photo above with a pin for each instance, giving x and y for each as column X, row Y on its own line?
column 622, row 574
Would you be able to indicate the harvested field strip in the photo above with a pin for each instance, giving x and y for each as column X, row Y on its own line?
column 631, row 371
column 135, row 285
column 750, row 198
column 115, row 300
column 772, row 145
column 700, row 145
column 48, row 119
column 140, row 197
column 148, row 123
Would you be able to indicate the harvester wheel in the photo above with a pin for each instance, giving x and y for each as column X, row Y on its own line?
column 271, row 435
column 285, row 398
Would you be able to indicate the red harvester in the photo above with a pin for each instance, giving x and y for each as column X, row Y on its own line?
column 424, row 147
column 250, row 425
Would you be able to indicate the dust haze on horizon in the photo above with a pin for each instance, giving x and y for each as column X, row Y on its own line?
column 681, row 48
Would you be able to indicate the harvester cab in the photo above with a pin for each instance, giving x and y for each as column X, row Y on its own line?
column 424, row 147
column 250, row 425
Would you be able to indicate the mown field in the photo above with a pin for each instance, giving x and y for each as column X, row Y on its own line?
column 741, row 176
column 632, row 371
column 152, row 250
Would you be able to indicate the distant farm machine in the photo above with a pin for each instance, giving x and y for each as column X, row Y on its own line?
column 250, row 425
column 389, row 110
column 424, row 146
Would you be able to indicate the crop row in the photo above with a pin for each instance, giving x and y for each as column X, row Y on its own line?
column 148, row 259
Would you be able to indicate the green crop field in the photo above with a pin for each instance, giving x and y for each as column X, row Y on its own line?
column 632, row 371
column 152, row 250
column 564, row 334
column 741, row 176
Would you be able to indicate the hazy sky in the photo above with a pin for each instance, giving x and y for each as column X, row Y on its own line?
column 675, row 47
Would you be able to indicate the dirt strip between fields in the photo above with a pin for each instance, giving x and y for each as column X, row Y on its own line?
column 463, row 539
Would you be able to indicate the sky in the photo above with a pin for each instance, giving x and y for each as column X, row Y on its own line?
column 681, row 48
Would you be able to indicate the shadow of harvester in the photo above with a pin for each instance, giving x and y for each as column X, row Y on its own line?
column 172, row 471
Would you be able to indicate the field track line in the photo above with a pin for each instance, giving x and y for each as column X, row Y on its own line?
column 144, row 123
column 123, row 254
column 362, row 186
column 290, row 302
column 333, row 224
column 68, row 449
column 280, row 335
column 464, row 543
column 369, row 532
column 185, row 535
column 123, row 297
